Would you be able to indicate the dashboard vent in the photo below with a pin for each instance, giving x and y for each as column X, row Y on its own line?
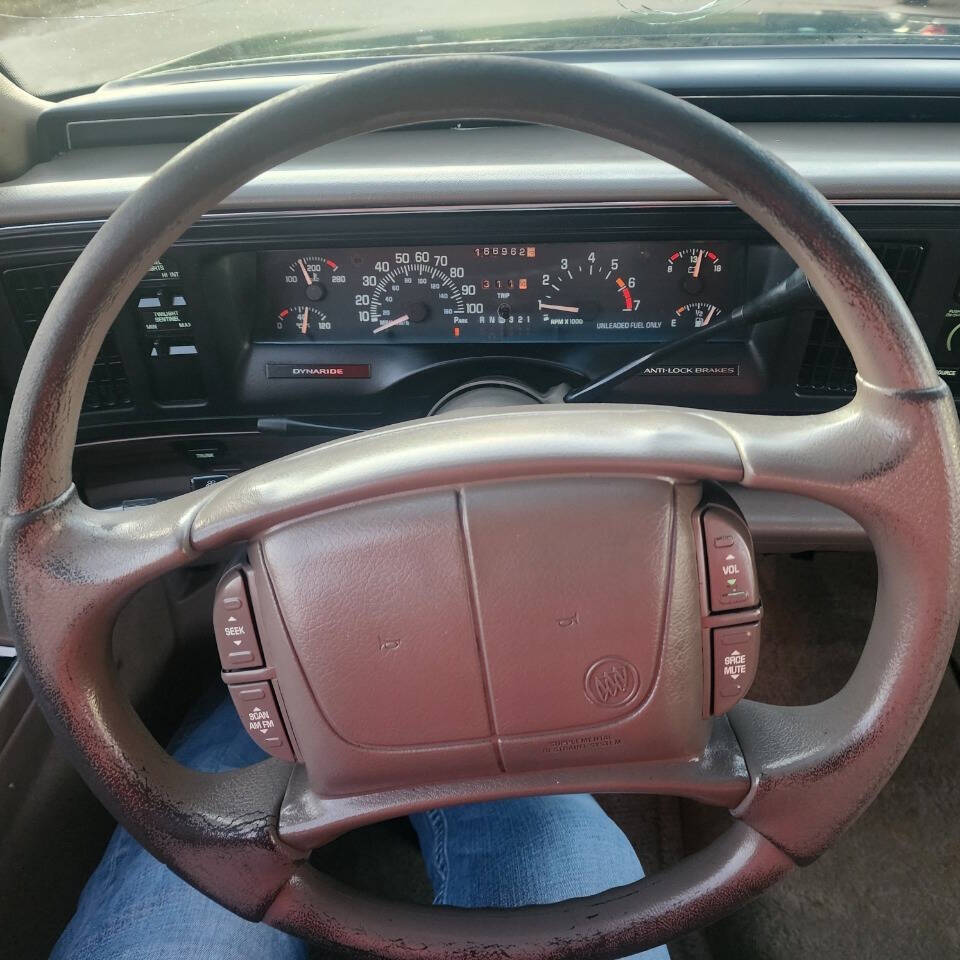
column 827, row 367
column 30, row 290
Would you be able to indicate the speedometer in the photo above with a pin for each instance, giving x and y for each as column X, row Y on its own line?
column 416, row 295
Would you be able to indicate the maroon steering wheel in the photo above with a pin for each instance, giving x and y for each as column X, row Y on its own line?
column 794, row 777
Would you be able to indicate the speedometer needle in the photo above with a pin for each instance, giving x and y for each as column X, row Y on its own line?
column 391, row 323
column 557, row 306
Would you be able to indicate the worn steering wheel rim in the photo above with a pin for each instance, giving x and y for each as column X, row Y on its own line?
column 812, row 770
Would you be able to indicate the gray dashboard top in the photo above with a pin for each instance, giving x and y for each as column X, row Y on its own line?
column 504, row 165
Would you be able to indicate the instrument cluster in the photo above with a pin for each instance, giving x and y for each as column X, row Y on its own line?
column 498, row 293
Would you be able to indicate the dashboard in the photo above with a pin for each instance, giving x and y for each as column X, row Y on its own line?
column 366, row 283
column 310, row 326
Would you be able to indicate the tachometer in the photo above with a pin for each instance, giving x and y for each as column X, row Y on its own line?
column 582, row 292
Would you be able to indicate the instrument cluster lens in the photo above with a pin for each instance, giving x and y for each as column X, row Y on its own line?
column 498, row 293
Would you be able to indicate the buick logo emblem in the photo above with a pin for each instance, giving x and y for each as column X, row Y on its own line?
column 611, row 682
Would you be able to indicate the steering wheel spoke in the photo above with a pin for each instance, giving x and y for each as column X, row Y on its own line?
column 455, row 450
column 855, row 458
column 87, row 562
column 717, row 777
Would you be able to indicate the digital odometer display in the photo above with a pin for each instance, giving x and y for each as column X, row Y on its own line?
column 536, row 293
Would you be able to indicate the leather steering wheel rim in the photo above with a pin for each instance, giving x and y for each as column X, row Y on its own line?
column 809, row 771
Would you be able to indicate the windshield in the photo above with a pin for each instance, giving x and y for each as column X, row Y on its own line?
column 51, row 47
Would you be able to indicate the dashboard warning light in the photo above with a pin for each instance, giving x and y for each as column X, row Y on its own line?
column 523, row 283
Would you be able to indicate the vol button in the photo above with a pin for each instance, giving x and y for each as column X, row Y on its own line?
column 730, row 569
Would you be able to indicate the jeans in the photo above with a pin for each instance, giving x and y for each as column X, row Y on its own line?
column 505, row 853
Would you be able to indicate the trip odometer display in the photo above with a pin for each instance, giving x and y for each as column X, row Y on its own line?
column 498, row 293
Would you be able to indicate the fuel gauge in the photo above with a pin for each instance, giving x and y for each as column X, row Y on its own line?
column 693, row 316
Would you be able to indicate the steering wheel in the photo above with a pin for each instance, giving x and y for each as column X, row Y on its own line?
column 506, row 481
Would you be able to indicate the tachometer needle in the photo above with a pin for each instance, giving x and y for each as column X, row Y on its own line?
column 303, row 270
column 386, row 325
column 557, row 306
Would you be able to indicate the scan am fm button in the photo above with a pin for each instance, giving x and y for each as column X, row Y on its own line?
column 257, row 706
column 318, row 371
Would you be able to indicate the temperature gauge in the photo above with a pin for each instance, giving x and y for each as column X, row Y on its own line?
column 307, row 323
